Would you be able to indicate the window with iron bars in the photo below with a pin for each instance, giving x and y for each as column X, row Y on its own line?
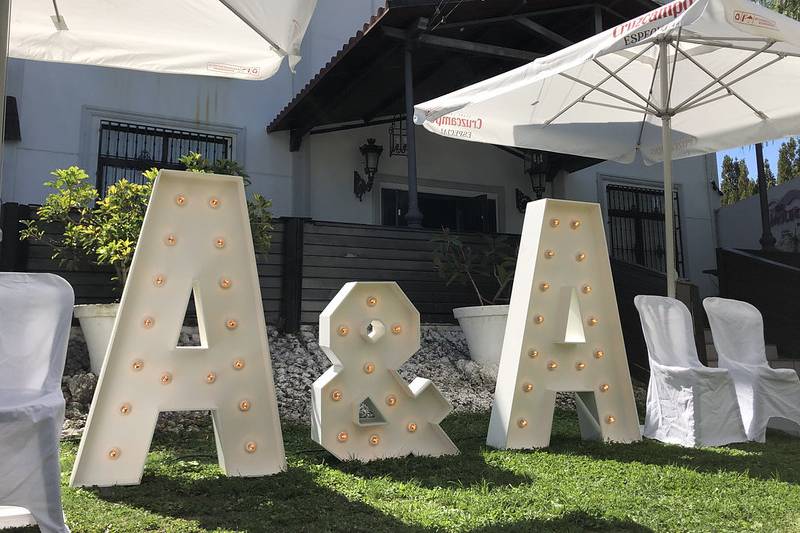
column 636, row 227
column 126, row 150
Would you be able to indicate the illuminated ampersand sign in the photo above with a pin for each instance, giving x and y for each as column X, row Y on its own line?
column 195, row 240
column 362, row 408
column 563, row 333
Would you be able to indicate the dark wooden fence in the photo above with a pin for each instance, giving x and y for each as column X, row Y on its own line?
column 772, row 286
column 309, row 261
column 96, row 285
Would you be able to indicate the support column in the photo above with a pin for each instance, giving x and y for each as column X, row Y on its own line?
column 598, row 19
column 767, row 239
column 414, row 215
column 5, row 19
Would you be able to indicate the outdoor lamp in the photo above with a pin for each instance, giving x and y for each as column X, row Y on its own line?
column 535, row 166
column 536, row 169
column 372, row 154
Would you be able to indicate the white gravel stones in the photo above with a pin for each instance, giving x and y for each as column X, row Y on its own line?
column 296, row 362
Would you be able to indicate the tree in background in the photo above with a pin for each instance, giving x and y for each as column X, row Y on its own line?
column 746, row 186
column 736, row 182
column 788, row 160
column 790, row 8
column 771, row 181
column 730, row 180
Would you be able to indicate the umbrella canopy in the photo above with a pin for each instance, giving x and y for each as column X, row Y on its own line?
column 230, row 38
column 688, row 78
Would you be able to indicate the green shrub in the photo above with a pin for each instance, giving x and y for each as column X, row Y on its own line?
column 104, row 231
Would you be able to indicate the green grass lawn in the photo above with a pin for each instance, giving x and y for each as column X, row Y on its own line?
column 571, row 486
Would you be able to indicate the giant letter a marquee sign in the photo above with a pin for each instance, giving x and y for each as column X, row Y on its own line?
column 563, row 333
column 195, row 240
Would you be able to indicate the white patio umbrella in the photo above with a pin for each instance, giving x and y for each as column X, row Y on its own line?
column 688, row 78
column 231, row 38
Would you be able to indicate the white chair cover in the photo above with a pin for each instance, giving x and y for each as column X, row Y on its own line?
column 687, row 403
column 763, row 392
column 36, row 311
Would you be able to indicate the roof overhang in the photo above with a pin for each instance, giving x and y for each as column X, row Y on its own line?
column 456, row 43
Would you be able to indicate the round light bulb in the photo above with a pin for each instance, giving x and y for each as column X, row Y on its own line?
column 549, row 254
column 138, row 365
column 170, row 240
column 587, row 289
column 180, row 200
column 251, row 447
column 533, row 354
column 214, row 203
column 544, row 286
column 555, row 222
column 125, row 409
column 604, row 387
column 336, row 395
column 211, row 378
column 593, row 321
column 148, row 322
column 539, row 319
column 374, row 440
column 219, row 243
column 552, row 365
column 397, row 329
column 343, row 331
column 599, row 354
column 527, row 387
column 114, row 453
column 225, row 283
column 372, row 301
column 231, row 324
column 369, row 368
column 411, row 427
column 244, row 405
column 342, row 436
column 522, row 423
column 238, row 364
column 159, row 280
column 575, row 224
column 580, row 366
column 610, row 419
column 580, row 257
column 166, row 378
column 391, row 400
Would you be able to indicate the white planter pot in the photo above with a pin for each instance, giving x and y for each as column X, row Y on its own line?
column 97, row 321
column 484, row 327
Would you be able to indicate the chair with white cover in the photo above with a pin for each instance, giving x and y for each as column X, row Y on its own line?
column 763, row 392
column 687, row 403
column 36, row 311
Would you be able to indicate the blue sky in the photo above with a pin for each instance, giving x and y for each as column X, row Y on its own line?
column 748, row 153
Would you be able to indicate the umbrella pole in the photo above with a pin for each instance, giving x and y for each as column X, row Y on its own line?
column 666, row 141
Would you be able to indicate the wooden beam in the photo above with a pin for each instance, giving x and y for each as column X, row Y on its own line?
column 548, row 34
column 493, row 20
column 477, row 48
column 292, row 273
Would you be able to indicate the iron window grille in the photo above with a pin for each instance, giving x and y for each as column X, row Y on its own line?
column 636, row 227
column 126, row 150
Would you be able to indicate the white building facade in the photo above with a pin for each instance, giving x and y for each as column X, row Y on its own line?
column 72, row 115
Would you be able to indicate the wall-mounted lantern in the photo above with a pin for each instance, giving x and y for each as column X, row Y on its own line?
column 372, row 154
column 536, row 167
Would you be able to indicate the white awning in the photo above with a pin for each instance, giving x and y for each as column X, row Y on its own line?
column 245, row 39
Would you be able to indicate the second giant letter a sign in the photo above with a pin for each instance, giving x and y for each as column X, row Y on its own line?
column 563, row 333
column 195, row 241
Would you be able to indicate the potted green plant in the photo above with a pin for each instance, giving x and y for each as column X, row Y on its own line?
column 488, row 270
column 104, row 232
